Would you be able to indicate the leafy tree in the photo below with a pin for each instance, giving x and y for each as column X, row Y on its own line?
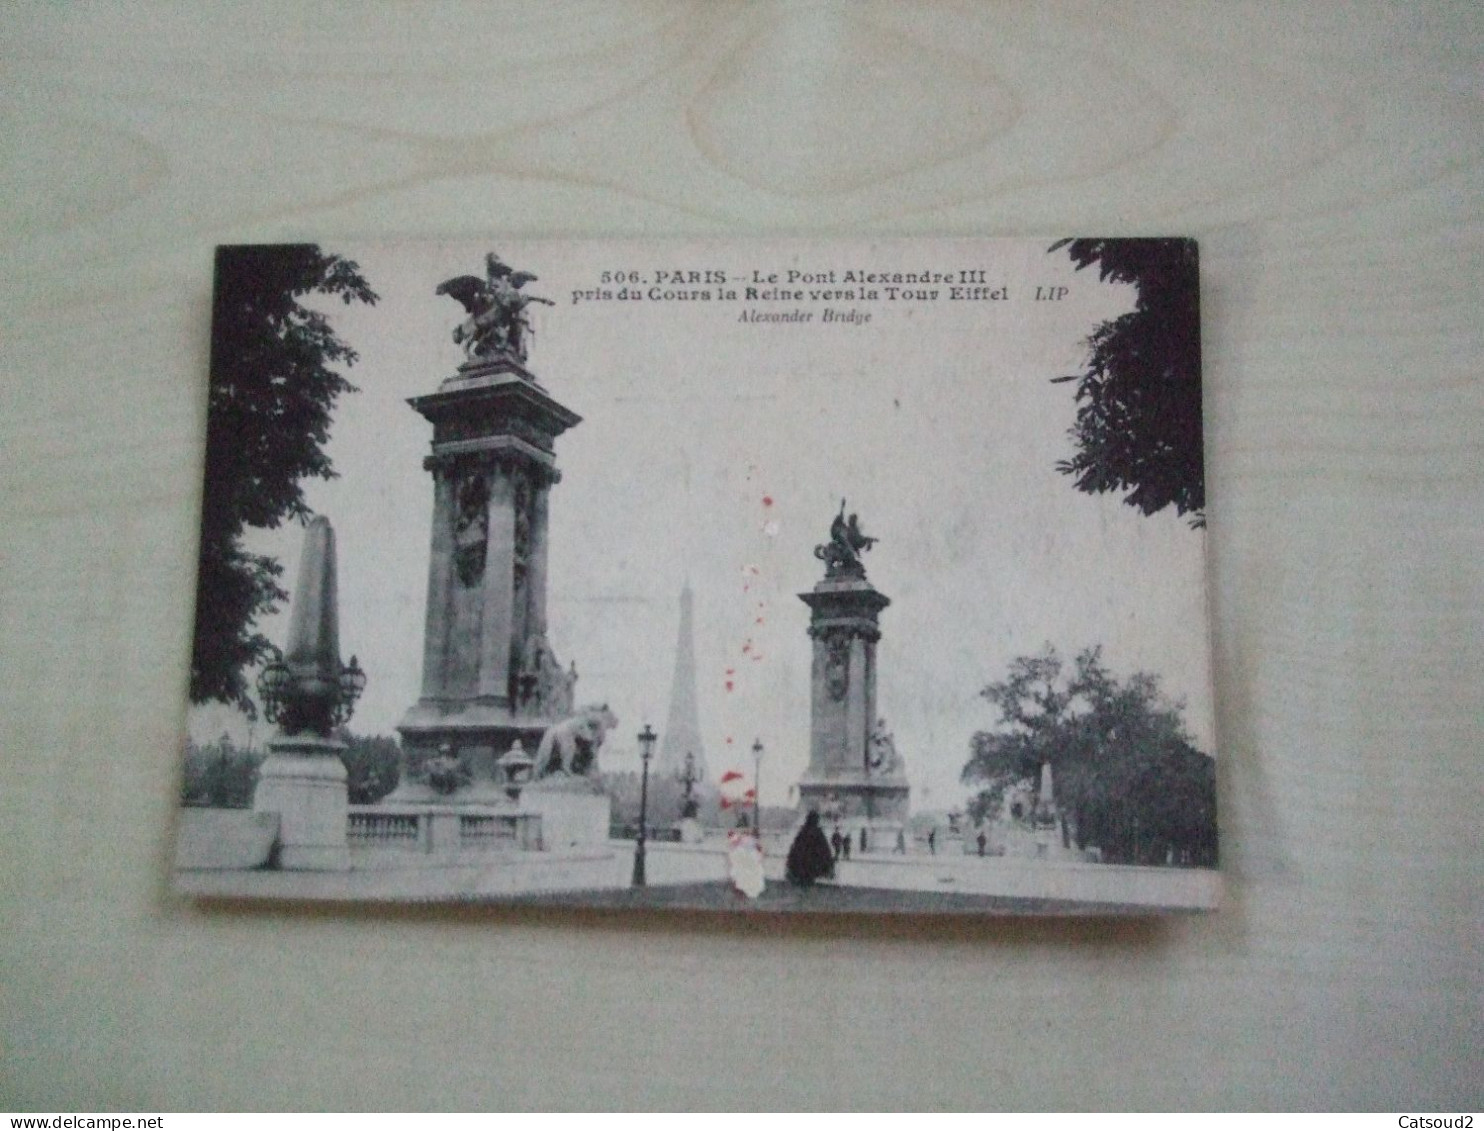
column 274, row 384
column 1138, row 425
column 219, row 775
column 373, row 766
column 1126, row 775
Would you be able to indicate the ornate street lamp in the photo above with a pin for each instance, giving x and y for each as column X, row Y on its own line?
column 515, row 765
column 757, row 794
column 687, row 778
column 273, row 682
column 352, row 683
column 647, row 739
column 300, row 701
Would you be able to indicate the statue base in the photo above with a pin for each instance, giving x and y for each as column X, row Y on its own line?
column 1022, row 840
column 303, row 781
column 573, row 811
column 479, row 737
column 856, row 797
column 873, row 837
column 478, row 372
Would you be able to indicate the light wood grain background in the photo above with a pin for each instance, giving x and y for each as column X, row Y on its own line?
column 1328, row 157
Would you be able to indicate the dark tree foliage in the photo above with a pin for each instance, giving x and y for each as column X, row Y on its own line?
column 1138, row 427
column 373, row 766
column 273, row 388
column 219, row 775
column 1127, row 777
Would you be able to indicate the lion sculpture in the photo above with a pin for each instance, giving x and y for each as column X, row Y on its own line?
column 571, row 746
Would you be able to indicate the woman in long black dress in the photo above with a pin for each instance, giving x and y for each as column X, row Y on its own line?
column 809, row 857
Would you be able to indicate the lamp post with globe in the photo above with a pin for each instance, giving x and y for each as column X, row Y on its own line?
column 757, row 795
column 647, row 739
column 687, row 778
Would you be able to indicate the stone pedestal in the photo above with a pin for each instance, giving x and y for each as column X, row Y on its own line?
column 573, row 812
column 303, row 782
column 489, row 676
column 843, row 780
column 226, row 839
column 1023, row 840
column 869, row 836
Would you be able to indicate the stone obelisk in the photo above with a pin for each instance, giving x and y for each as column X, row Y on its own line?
column 307, row 695
column 682, row 733
column 854, row 777
column 490, row 678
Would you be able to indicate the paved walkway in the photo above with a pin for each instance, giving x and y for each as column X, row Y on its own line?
column 821, row 899
column 696, row 876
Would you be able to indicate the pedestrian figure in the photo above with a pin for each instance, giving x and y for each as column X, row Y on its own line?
column 845, row 846
column 863, row 840
column 932, row 842
column 809, row 856
column 982, row 842
column 901, row 843
column 835, row 842
column 745, row 863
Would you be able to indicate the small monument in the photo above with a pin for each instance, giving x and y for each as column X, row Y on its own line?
column 491, row 681
column 690, row 808
column 1030, row 824
column 855, row 775
column 1045, row 817
column 309, row 693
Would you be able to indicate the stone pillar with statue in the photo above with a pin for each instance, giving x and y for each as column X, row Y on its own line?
column 855, row 776
column 496, row 714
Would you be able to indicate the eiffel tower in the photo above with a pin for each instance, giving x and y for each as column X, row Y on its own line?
column 682, row 733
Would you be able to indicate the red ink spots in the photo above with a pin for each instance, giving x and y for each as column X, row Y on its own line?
column 758, row 621
column 729, row 685
column 747, row 647
column 729, row 740
column 767, row 500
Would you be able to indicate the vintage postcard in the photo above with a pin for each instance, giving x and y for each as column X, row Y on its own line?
column 785, row 575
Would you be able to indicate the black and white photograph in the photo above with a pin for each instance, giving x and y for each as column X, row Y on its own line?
column 787, row 555
column 784, row 575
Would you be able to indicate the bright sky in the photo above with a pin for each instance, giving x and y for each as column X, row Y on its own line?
column 719, row 451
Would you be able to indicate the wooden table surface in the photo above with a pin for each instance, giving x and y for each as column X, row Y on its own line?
column 1328, row 157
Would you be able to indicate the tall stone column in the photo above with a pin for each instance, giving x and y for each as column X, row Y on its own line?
column 848, row 779
column 536, row 589
column 858, row 700
column 844, row 630
column 440, row 578
column 497, row 620
column 493, row 465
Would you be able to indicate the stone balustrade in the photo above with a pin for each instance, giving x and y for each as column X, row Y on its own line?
column 440, row 830
column 365, row 828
